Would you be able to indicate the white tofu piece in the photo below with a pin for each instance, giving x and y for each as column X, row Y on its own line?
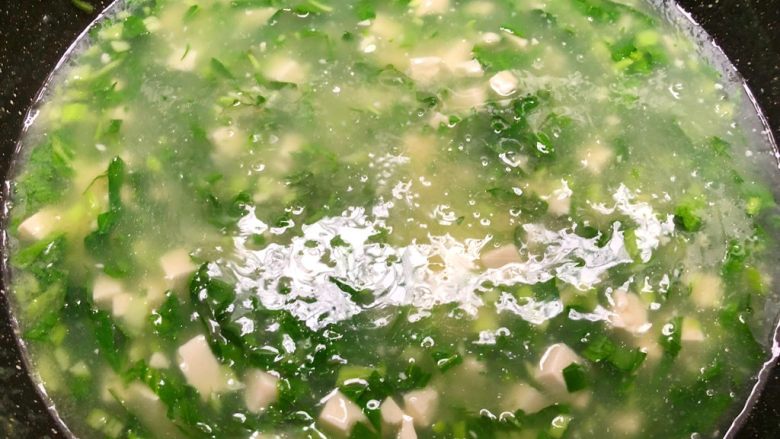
column 340, row 414
column 228, row 141
column 473, row 366
column 200, row 367
column 466, row 99
column 490, row 38
column 497, row 258
column 456, row 52
column 131, row 309
column 550, row 373
column 120, row 304
column 152, row 24
column 39, row 225
column 260, row 391
column 283, row 69
column 120, row 46
column 629, row 312
column 257, row 17
column 80, row 369
column 155, row 289
column 559, row 206
column 504, row 83
column 648, row 343
column 104, row 289
column 422, row 405
column 177, row 267
column 482, row 8
column 290, row 143
column 419, row 148
column 520, row 42
column 522, row 396
column 469, row 69
column 158, row 360
column 559, row 202
column 151, row 411
column 691, row 331
column 627, row 423
column 425, row 69
column 706, row 289
column 430, row 7
column 183, row 59
column 368, row 44
column 391, row 413
column 595, row 157
column 385, row 27
column 437, row 120
column 407, row 429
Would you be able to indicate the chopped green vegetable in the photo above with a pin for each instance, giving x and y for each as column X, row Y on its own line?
column 576, row 378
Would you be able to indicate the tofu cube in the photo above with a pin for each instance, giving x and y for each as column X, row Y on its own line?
column 392, row 414
column 257, row 17
column 483, row 8
column 158, row 360
column 177, row 267
column 559, row 202
column 227, row 140
column 39, row 225
column 522, row 396
column 550, row 373
column 629, row 312
column 706, row 290
column 260, row 391
column 200, row 367
column 183, row 59
column 130, row 309
column 104, row 289
column 466, row 99
column 340, row 414
column 407, row 429
column 386, row 28
column 437, row 120
column 430, row 7
column 691, row 331
column 490, row 38
column 120, row 304
column 283, row 69
column 470, row 69
column 425, row 69
column 504, row 83
column 595, row 157
column 151, row 411
column 559, row 205
column 422, row 405
column 497, row 258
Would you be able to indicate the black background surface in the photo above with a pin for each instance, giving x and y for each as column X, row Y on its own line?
column 35, row 33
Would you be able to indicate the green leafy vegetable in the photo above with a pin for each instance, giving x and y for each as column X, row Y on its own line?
column 111, row 340
column 685, row 217
column 220, row 69
column 110, row 242
column 576, row 378
column 446, row 360
column 43, row 287
column 47, row 176
column 168, row 320
column 627, row 360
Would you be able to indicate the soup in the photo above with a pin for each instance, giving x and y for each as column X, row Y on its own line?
column 511, row 219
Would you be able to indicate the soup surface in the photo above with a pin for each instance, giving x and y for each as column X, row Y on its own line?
column 426, row 218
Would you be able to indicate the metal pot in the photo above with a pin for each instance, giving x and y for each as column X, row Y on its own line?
column 34, row 35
